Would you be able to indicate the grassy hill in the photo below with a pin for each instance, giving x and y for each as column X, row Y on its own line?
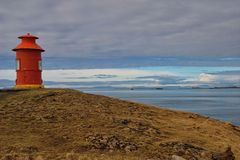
column 68, row 124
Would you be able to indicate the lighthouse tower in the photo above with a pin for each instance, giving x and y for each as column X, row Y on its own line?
column 28, row 63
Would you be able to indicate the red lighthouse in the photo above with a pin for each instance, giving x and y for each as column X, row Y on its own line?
column 28, row 63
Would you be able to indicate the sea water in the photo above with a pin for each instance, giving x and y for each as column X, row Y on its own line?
column 222, row 104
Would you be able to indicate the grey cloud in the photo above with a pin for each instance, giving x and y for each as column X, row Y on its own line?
column 228, row 77
column 164, row 80
column 99, row 76
column 218, row 79
column 228, row 73
column 79, row 28
column 101, row 83
column 104, row 76
column 8, row 62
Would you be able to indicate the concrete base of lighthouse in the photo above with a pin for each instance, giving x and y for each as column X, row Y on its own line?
column 29, row 86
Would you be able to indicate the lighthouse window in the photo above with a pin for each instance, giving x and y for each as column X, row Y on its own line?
column 17, row 64
column 40, row 65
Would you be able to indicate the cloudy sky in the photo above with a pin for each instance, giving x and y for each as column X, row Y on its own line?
column 85, row 28
column 98, row 34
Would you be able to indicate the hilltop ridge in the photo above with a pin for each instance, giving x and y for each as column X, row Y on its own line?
column 68, row 124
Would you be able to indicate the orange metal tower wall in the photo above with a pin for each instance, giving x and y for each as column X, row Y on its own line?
column 29, row 71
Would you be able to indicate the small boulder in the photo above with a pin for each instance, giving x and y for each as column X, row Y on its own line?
column 227, row 155
column 175, row 157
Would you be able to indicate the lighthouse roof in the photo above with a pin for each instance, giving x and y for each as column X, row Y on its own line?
column 28, row 35
column 28, row 43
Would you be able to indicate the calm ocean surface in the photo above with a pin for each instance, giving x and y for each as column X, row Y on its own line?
column 223, row 104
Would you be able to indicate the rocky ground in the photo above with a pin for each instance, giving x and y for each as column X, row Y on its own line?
column 66, row 124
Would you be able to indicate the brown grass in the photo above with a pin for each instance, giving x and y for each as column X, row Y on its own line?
column 67, row 124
